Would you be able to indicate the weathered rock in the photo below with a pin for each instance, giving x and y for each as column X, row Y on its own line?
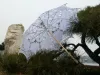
column 13, row 38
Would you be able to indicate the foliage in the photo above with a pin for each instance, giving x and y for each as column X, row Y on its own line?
column 88, row 22
column 87, row 70
column 14, row 63
column 50, row 63
column 2, row 46
column 87, row 25
column 44, row 62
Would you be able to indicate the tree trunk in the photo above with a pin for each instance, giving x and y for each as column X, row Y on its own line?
column 92, row 55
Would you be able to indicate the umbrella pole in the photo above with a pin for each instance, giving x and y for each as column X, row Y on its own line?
column 63, row 47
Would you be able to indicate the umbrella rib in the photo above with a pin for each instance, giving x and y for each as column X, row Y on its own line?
column 48, row 18
column 54, row 16
column 38, row 34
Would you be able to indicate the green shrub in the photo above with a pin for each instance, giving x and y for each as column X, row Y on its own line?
column 14, row 63
column 42, row 63
column 47, row 62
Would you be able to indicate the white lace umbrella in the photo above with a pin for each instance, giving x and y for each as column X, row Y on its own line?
column 37, row 37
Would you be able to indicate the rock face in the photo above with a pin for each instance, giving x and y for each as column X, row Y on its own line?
column 13, row 38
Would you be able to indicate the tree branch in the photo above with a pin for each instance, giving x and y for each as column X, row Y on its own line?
column 97, row 41
column 83, row 38
column 91, row 54
column 76, row 46
column 66, row 45
column 97, row 51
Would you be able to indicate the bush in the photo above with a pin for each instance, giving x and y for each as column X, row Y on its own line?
column 14, row 63
column 42, row 63
column 47, row 62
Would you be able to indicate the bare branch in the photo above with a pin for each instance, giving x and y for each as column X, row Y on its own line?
column 97, row 41
column 76, row 46
column 97, row 51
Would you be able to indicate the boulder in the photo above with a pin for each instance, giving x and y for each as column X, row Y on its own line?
column 13, row 38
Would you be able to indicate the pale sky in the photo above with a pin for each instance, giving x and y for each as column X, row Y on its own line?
column 27, row 11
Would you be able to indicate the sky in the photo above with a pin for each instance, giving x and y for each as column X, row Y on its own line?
column 27, row 11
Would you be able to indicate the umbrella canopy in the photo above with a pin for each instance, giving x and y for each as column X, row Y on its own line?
column 37, row 36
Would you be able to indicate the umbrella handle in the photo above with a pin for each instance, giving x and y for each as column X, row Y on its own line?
column 63, row 47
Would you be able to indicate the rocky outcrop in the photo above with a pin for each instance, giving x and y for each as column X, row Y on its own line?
column 13, row 38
